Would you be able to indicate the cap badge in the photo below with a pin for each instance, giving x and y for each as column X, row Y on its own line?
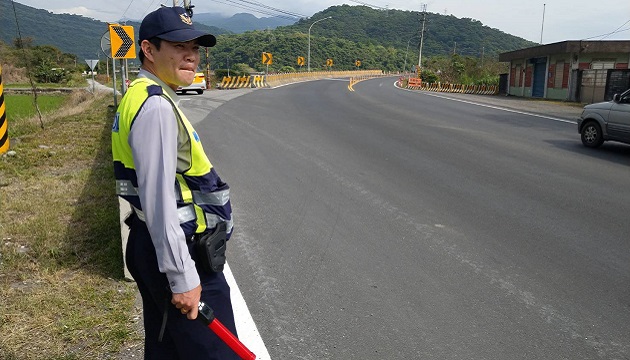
column 186, row 19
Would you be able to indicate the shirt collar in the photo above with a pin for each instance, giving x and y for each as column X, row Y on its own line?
column 170, row 92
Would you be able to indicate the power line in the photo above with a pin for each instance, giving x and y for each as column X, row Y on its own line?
column 147, row 9
column 618, row 30
column 259, row 4
column 128, row 6
column 262, row 9
column 370, row 5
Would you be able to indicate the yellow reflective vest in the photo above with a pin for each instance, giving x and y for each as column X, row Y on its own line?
column 203, row 199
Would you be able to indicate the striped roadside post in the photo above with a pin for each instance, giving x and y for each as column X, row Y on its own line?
column 4, row 131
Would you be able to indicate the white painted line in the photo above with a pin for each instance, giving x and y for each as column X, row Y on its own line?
column 245, row 327
column 492, row 106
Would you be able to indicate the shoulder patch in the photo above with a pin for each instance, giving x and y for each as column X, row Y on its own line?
column 154, row 90
column 116, row 124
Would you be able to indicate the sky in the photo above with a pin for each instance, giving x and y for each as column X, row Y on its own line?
column 549, row 20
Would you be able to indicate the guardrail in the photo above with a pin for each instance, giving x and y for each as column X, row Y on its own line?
column 356, row 79
column 260, row 81
column 452, row 88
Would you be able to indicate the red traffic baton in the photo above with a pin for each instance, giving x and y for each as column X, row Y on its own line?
column 207, row 316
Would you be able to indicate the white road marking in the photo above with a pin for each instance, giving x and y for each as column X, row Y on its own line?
column 492, row 106
column 245, row 327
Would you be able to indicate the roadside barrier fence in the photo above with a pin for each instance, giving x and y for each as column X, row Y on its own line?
column 261, row 81
column 416, row 84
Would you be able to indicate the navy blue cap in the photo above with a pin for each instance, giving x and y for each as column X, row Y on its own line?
column 173, row 24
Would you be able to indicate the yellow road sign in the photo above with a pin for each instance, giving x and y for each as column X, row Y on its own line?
column 300, row 60
column 357, row 63
column 329, row 62
column 267, row 58
column 122, row 41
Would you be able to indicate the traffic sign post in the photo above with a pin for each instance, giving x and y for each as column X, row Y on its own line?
column 92, row 64
column 267, row 59
column 300, row 61
column 329, row 63
column 122, row 47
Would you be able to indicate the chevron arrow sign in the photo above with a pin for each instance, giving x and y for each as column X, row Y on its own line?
column 267, row 58
column 122, row 42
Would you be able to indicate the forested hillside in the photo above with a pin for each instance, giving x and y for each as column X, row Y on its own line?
column 73, row 34
column 397, row 28
column 380, row 39
column 386, row 40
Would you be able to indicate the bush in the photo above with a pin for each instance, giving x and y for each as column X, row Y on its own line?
column 287, row 69
column 44, row 73
column 428, row 76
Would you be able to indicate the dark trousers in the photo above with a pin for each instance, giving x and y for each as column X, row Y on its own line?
column 183, row 339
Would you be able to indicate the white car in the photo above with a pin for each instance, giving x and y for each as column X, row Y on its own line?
column 198, row 85
column 609, row 120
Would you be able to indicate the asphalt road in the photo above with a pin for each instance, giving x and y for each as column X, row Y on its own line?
column 387, row 224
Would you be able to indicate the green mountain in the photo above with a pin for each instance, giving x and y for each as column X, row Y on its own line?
column 381, row 39
column 387, row 40
column 72, row 34
column 242, row 22
column 443, row 34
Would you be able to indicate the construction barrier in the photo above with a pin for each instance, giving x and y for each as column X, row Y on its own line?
column 262, row 81
column 236, row 82
column 287, row 78
column 451, row 88
column 226, row 80
column 258, row 81
column 4, row 129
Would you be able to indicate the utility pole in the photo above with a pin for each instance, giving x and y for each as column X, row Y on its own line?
column 424, row 17
column 543, row 24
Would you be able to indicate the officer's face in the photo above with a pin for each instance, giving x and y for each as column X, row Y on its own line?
column 176, row 62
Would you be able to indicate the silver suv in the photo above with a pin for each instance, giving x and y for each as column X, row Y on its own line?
column 604, row 121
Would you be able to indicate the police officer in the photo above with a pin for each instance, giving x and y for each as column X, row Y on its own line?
column 176, row 195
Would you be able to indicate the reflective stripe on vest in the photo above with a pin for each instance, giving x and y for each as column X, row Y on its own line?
column 184, row 214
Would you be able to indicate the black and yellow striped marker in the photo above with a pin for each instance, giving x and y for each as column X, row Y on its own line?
column 4, row 130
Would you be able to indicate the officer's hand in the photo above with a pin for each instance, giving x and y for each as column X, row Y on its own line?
column 188, row 302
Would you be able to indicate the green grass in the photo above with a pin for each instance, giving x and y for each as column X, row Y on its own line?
column 61, row 271
column 19, row 107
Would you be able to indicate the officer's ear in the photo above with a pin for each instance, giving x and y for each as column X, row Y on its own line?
column 147, row 49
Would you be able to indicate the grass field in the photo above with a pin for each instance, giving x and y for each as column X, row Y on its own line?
column 61, row 270
column 19, row 107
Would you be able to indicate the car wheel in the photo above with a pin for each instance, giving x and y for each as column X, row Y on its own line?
column 200, row 91
column 592, row 135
